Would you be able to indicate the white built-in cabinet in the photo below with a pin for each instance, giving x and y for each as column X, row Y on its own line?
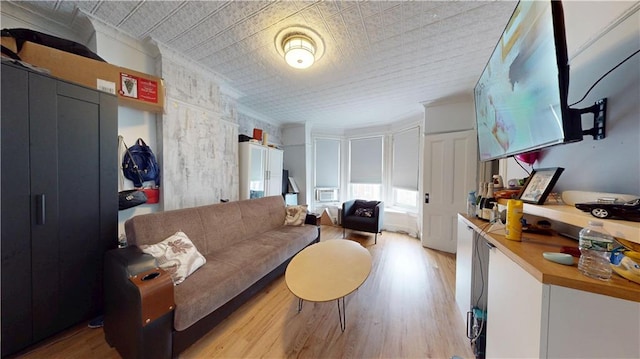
column 514, row 313
column 464, row 257
column 530, row 319
column 260, row 170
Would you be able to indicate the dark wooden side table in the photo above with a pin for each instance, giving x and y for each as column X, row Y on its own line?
column 313, row 218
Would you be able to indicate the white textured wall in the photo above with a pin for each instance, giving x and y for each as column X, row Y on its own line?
column 404, row 222
column 450, row 115
column 199, row 137
column 246, row 124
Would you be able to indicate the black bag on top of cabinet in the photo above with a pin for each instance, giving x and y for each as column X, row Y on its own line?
column 139, row 164
column 22, row 35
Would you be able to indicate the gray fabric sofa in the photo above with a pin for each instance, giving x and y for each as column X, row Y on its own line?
column 246, row 246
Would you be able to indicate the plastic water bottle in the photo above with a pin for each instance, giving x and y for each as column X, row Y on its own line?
column 596, row 245
column 471, row 204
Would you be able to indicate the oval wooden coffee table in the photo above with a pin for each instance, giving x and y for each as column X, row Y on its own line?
column 327, row 271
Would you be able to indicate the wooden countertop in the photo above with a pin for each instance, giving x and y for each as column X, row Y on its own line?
column 528, row 255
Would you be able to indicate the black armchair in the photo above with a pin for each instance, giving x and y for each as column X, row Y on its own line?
column 365, row 216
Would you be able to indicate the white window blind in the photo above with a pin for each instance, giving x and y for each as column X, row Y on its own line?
column 366, row 160
column 327, row 156
column 406, row 149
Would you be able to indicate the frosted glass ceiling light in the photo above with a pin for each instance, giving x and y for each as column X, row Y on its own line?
column 299, row 51
column 300, row 46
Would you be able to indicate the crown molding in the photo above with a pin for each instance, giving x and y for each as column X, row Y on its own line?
column 255, row 115
column 79, row 29
column 146, row 46
column 176, row 57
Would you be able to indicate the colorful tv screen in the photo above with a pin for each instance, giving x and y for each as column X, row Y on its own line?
column 518, row 98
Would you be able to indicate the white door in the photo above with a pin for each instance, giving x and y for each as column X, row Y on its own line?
column 450, row 162
column 274, row 172
column 258, row 170
column 252, row 168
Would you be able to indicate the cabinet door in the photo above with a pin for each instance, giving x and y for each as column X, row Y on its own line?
column 257, row 172
column 464, row 256
column 78, row 199
column 67, row 175
column 252, row 163
column 514, row 310
column 274, row 172
column 580, row 322
column 59, row 213
column 16, row 212
column 45, row 253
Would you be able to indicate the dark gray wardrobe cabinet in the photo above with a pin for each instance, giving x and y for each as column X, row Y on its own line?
column 59, row 205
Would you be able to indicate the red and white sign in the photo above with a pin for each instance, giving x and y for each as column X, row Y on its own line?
column 138, row 88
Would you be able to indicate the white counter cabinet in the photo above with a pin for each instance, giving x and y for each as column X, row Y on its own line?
column 528, row 319
column 533, row 311
column 464, row 256
column 514, row 310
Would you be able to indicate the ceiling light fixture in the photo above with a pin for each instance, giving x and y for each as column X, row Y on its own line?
column 299, row 51
column 300, row 46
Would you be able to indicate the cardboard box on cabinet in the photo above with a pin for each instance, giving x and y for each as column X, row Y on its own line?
column 10, row 43
column 134, row 89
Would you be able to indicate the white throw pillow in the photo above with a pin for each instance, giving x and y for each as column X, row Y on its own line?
column 177, row 255
column 295, row 215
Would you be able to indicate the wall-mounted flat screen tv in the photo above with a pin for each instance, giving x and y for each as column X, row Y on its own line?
column 521, row 96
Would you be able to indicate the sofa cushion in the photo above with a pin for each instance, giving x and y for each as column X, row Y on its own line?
column 262, row 214
column 231, row 270
column 177, row 255
column 211, row 227
column 153, row 227
column 357, row 220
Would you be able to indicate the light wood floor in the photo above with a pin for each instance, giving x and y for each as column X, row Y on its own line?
column 405, row 309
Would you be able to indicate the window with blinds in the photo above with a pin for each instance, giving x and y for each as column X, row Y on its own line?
column 327, row 169
column 365, row 168
column 406, row 165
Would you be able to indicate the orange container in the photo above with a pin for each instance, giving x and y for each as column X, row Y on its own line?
column 257, row 134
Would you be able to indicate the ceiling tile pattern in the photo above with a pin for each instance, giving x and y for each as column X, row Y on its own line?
column 382, row 58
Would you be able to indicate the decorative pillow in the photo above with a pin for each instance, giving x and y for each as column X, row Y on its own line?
column 177, row 255
column 364, row 212
column 295, row 215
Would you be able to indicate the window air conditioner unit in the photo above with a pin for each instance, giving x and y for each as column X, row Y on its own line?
column 326, row 194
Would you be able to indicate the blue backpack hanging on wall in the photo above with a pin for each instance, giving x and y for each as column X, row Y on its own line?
column 139, row 164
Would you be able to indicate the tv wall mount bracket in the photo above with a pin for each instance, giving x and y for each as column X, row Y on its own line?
column 599, row 111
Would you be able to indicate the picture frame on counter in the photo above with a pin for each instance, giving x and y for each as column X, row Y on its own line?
column 539, row 185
